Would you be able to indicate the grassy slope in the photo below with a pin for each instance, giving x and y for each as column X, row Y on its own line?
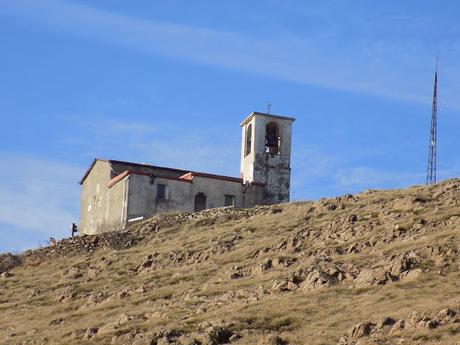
column 190, row 280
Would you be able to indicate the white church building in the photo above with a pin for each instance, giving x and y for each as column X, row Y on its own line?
column 116, row 192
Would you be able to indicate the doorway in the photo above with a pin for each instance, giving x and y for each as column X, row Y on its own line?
column 200, row 202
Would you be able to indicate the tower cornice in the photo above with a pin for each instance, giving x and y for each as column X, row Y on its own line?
column 254, row 113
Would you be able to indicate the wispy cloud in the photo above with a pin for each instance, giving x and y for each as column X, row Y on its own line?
column 360, row 177
column 164, row 144
column 38, row 197
column 397, row 68
column 192, row 153
column 317, row 173
column 364, row 177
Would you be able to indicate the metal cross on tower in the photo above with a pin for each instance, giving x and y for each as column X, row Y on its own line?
column 431, row 171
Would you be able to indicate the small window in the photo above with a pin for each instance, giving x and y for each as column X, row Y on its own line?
column 248, row 139
column 161, row 191
column 229, row 200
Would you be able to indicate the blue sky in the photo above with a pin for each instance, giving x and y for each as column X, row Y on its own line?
column 167, row 83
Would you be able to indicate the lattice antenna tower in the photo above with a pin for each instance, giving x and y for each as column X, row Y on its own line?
column 432, row 154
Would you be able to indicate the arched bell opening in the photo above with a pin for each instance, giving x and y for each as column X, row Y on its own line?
column 272, row 138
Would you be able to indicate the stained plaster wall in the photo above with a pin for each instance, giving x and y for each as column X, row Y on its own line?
column 180, row 195
column 118, row 199
column 143, row 201
column 108, row 209
column 94, row 201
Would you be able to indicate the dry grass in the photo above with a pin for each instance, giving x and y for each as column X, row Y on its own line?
column 183, row 295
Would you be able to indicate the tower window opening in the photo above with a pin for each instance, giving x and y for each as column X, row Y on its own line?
column 272, row 138
column 248, row 139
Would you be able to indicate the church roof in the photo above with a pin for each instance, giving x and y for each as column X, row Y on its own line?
column 184, row 175
column 140, row 165
column 190, row 175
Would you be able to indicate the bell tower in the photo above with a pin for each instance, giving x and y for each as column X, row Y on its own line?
column 266, row 154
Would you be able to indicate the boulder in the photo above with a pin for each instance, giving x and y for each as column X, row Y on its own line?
column 144, row 339
column 370, row 277
column 234, row 337
column 31, row 332
column 66, row 295
column 318, row 279
column 72, row 273
column 271, row 340
column 135, row 338
column 218, row 334
column 283, row 285
column 5, row 275
column 92, row 274
column 352, row 218
column 397, row 327
column 446, row 316
column 385, row 321
column 411, row 275
column 147, row 263
column 57, row 321
column 263, row 266
column 362, row 329
column 402, row 262
column 90, row 333
column 407, row 203
column 420, row 320
column 95, row 298
column 77, row 333
column 187, row 340
column 163, row 341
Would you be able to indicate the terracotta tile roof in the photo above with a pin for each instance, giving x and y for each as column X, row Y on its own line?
column 190, row 175
column 125, row 173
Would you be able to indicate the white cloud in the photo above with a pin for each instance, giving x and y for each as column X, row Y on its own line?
column 398, row 67
column 164, row 144
column 317, row 173
column 191, row 153
column 363, row 177
column 310, row 162
column 38, row 195
column 358, row 178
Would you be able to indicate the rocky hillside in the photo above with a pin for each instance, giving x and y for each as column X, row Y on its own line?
column 379, row 267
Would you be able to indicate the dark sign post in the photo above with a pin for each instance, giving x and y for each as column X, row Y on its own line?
column 74, row 229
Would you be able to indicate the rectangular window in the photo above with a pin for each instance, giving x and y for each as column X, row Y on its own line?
column 229, row 200
column 161, row 191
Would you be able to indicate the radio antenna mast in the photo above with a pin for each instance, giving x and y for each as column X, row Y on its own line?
column 431, row 171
